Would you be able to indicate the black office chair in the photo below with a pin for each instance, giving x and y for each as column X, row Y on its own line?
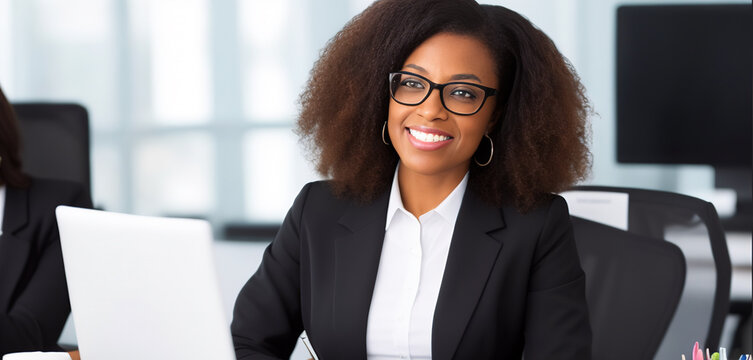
column 683, row 299
column 633, row 287
column 55, row 140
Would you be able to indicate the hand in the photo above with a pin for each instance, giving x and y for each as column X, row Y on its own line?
column 74, row 355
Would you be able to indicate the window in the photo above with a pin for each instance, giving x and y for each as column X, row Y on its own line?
column 192, row 102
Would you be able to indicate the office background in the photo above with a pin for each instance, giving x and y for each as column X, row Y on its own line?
column 192, row 102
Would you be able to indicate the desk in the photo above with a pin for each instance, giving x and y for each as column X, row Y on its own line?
column 236, row 261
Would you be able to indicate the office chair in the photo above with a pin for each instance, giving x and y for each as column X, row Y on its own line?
column 661, row 296
column 55, row 140
column 633, row 287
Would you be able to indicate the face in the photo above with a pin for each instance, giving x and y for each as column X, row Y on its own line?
column 429, row 139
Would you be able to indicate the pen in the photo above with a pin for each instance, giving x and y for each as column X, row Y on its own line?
column 309, row 347
column 722, row 353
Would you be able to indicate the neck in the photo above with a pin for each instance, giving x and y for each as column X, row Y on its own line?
column 421, row 193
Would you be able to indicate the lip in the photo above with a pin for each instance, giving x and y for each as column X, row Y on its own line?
column 427, row 146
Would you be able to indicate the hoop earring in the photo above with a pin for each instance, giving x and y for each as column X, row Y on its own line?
column 383, row 139
column 491, row 153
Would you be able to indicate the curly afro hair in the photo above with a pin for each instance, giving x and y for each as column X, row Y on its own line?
column 541, row 131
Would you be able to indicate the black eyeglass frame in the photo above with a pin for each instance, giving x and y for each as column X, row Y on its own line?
column 432, row 85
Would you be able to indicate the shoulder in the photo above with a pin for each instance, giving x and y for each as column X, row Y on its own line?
column 321, row 188
column 553, row 205
column 320, row 194
column 320, row 205
column 551, row 211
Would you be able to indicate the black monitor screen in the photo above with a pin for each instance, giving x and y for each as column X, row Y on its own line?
column 684, row 80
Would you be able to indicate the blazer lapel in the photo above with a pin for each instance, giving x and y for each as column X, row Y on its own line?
column 357, row 256
column 473, row 252
column 13, row 250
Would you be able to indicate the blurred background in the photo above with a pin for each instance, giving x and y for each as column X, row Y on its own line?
column 192, row 103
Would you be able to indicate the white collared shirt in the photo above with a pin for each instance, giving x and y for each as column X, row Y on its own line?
column 410, row 273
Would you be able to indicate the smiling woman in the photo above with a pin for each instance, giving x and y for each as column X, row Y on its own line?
column 459, row 117
column 540, row 109
column 445, row 127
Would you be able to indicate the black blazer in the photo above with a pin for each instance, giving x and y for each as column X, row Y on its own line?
column 33, row 291
column 512, row 283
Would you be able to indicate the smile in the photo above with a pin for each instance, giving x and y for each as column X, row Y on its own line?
column 427, row 137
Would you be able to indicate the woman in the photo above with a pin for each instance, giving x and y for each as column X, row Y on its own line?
column 445, row 127
column 33, row 293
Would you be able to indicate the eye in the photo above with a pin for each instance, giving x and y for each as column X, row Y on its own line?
column 464, row 94
column 412, row 83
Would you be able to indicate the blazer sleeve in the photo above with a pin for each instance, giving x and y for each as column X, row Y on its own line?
column 267, row 315
column 557, row 324
column 36, row 318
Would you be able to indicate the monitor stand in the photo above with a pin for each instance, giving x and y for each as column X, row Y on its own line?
column 739, row 179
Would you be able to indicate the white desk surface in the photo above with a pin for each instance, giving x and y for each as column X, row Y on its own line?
column 236, row 261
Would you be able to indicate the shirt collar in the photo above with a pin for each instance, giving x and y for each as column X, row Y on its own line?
column 450, row 206
column 396, row 201
column 448, row 209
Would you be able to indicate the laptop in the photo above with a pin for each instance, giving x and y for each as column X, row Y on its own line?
column 142, row 287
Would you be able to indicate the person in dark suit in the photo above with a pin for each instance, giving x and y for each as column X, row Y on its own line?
column 34, row 301
column 445, row 128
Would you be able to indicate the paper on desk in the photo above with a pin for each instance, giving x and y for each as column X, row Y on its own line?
column 603, row 207
column 37, row 355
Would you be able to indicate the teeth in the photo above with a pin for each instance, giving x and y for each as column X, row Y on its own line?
column 426, row 137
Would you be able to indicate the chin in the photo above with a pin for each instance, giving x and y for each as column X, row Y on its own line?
column 430, row 166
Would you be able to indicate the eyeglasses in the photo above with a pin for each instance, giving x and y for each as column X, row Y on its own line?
column 458, row 97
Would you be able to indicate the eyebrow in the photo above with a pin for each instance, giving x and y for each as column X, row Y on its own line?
column 454, row 77
column 465, row 77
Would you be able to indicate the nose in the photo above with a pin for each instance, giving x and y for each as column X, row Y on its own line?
column 432, row 109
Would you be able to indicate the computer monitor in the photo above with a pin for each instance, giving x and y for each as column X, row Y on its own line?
column 685, row 88
column 684, row 84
